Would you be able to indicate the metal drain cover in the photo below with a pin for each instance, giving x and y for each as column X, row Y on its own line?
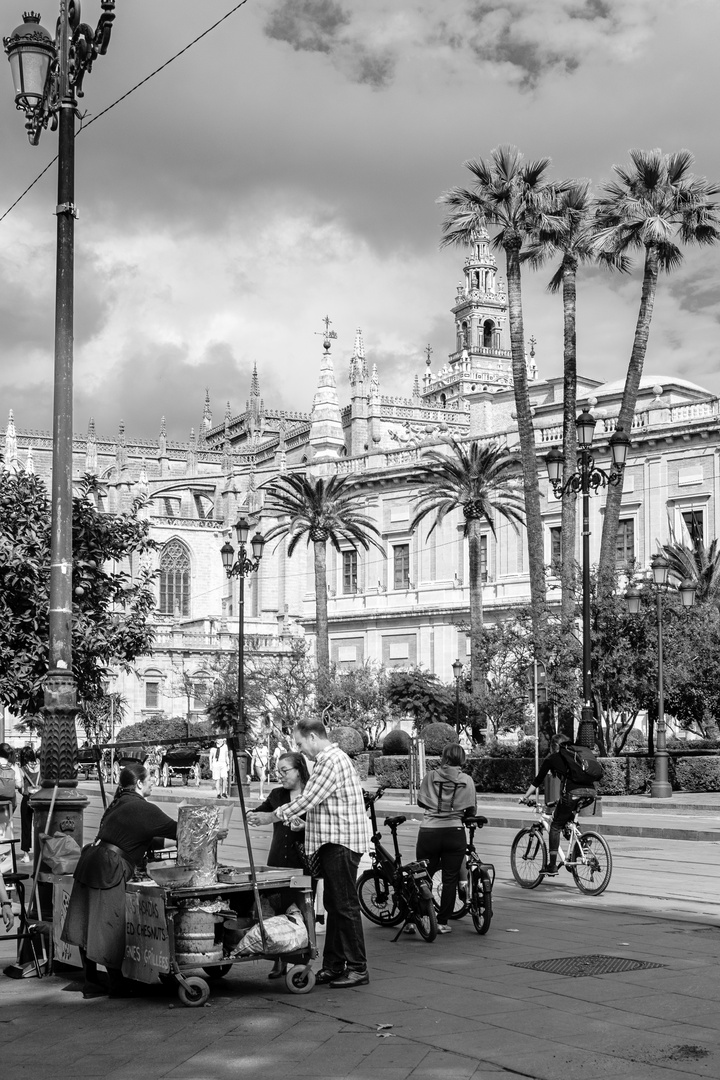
column 588, row 965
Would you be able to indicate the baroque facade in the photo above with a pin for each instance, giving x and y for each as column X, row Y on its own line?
column 411, row 606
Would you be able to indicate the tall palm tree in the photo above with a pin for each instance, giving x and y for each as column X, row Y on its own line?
column 653, row 203
column 569, row 234
column 320, row 510
column 513, row 197
column 481, row 480
column 699, row 564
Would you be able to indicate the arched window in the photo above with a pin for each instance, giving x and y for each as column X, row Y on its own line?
column 488, row 335
column 174, row 579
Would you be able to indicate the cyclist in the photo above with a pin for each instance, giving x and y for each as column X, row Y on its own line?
column 573, row 790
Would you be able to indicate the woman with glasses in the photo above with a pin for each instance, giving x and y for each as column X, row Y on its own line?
column 293, row 774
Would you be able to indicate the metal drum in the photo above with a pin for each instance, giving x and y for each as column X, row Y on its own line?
column 195, row 937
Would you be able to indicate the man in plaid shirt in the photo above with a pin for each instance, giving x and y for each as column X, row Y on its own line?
column 338, row 829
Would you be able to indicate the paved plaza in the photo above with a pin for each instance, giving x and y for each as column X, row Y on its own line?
column 463, row 1006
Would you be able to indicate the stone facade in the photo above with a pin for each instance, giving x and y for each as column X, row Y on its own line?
column 409, row 607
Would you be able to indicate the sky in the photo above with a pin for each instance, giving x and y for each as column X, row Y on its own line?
column 287, row 166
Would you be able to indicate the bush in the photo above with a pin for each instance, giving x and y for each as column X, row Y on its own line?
column 396, row 742
column 394, row 772
column 504, row 774
column 524, row 748
column 362, row 765
column 348, row 739
column 437, row 736
column 698, row 773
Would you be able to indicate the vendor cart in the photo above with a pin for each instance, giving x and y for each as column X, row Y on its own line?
column 163, row 943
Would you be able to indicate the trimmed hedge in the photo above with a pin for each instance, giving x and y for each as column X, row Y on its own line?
column 625, row 776
column 396, row 742
column 394, row 771
column 362, row 765
column 437, row 736
column 348, row 739
column 697, row 773
column 511, row 775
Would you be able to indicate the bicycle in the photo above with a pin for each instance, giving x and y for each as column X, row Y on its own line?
column 480, row 881
column 393, row 893
column 589, row 859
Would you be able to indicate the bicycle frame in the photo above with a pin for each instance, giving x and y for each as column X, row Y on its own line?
column 573, row 839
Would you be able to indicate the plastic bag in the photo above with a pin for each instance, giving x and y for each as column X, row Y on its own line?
column 285, row 933
column 197, row 836
column 60, row 853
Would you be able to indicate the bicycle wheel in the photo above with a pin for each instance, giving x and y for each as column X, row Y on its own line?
column 481, row 901
column 377, row 899
column 461, row 906
column 423, row 913
column 593, row 866
column 528, row 858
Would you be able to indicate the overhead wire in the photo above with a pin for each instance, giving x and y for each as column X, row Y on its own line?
column 84, row 126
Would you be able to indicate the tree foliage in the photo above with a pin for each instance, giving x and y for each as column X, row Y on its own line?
column 420, row 694
column 357, row 698
column 110, row 609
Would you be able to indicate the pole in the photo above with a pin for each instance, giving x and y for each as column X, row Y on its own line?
column 660, row 787
column 457, row 706
column 586, row 728
column 240, row 758
column 537, row 717
column 58, row 753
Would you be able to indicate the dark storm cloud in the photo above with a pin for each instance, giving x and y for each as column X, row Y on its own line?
column 307, row 25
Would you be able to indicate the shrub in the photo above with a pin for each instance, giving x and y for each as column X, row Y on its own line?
column 348, row 739
column 698, row 773
column 394, row 772
column 525, row 748
column 504, row 774
column 362, row 765
column 437, row 736
column 396, row 742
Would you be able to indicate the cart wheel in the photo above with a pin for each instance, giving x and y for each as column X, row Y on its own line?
column 165, row 776
column 300, row 980
column 217, row 972
column 186, row 777
column 194, row 992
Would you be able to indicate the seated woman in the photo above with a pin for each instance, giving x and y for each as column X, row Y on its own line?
column 95, row 920
column 293, row 772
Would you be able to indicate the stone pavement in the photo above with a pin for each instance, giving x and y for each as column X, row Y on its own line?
column 457, row 1008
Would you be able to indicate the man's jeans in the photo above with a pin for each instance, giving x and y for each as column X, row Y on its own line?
column 344, row 939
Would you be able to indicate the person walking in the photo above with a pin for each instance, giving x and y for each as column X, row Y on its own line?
column 259, row 764
column 337, row 829
column 30, row 773
column 574, row 788
column 446, row 795
column 220, row 767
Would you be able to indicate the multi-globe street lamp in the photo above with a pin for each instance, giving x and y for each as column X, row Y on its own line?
column 661, row 787
column 457, row 672
column 240, row 567
column 48, row 76
column 588, row 477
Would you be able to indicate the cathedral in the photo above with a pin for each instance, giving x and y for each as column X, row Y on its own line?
column 411, row 606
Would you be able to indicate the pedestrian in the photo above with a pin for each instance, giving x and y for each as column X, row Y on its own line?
column 446, row 795
column 284, row 850
column 95, row 919
column 30, row 779
column 337, row 829
column 220, row 767
column 574, row 790
column 10, row 783
column 259, row 764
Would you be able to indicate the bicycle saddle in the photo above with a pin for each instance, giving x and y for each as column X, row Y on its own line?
column 394, row 820
column 478, row 820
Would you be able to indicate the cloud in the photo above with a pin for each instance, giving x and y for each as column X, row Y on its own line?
column 307, row 25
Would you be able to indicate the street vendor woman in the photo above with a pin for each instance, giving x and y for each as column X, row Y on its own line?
column 95, row 919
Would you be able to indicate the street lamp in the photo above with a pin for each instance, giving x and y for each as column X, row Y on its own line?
column 48, row 75
column 660, row 567
column 240, row 568
column 588, row 477
column 457, row 672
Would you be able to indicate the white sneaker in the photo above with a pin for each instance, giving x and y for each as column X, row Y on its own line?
column 409, row 929
column 443, row 928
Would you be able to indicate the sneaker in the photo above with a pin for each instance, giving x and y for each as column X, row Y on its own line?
column 409, row 929
column 443, row 928
column 551, row 870
column 224, row 796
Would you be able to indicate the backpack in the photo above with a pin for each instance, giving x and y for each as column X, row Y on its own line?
column 583, row 767
column 8, row 788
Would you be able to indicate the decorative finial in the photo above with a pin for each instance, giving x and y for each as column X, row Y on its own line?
column 428, row 353
column 533, row 343
column 327, row 333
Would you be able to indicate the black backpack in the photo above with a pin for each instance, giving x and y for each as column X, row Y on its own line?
column 583, row 767
column 8, row 787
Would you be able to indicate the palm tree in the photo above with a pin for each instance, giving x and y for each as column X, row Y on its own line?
column 513, row 197
column 699, row 564
column 481, row 480
column 320, row 510
column 569, row 233
column 654, row 202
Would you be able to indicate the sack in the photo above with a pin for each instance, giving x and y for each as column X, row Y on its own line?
column 61, row 853
column 583, row 767
column 284, row 933
column 309, row 862
column 8, row 788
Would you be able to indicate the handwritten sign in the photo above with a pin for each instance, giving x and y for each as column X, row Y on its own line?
column 147, row 943
column 62, row 888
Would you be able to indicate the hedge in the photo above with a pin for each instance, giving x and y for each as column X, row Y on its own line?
column 394, row 771
column 697, row 773
column 511, row 775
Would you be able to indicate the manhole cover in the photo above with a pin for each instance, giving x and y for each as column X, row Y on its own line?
column 588, row 965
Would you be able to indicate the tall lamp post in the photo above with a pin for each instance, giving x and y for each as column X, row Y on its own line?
column 48, row 76
column 240, row 568
column 661, row 787
column 457, row 672
column 588, row 477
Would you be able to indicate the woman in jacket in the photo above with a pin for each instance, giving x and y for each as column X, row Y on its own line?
column 95, row 919
column 447, row 794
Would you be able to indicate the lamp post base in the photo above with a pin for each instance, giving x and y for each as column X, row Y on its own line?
column 586, row 728
column 660, row 790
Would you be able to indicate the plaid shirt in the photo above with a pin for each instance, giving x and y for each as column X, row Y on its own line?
column 333, row 801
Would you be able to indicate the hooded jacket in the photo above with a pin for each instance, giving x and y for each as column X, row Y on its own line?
column 446, row 795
